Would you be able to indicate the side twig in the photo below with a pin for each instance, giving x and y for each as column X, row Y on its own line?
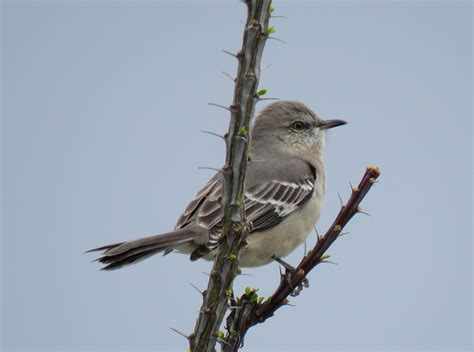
column 254, row 311
column 216, row 298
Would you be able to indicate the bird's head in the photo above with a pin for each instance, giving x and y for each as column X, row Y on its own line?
column 290, row 128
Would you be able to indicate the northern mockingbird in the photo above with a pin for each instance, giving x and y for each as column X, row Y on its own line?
column 284, row 190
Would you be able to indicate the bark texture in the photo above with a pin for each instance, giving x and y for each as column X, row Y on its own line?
column 219, row 290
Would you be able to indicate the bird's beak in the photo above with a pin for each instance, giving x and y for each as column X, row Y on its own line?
column 326, row 124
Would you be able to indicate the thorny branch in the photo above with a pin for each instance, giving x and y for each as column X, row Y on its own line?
column 216, row 296
column 251, row 310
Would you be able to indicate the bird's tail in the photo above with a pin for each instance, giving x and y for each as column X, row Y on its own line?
column 117, row 255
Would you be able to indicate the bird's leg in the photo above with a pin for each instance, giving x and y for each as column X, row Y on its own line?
column 289, row 270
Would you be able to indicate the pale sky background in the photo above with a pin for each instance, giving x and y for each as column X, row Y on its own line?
column 103, row 103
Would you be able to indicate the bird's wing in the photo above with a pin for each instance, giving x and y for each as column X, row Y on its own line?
column 273, row 191
column 267, row 204
column 207, row 198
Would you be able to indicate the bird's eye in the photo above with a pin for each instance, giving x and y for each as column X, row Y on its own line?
column 298, row 126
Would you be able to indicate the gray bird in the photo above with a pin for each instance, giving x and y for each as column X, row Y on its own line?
column 284, row 191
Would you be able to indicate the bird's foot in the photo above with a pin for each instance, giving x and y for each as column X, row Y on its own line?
column 289, row 271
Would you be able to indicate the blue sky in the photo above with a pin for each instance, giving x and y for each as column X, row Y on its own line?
column 102, row 108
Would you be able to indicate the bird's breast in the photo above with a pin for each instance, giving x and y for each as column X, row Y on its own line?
column 282, row 239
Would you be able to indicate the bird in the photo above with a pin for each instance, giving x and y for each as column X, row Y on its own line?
column 283, row 194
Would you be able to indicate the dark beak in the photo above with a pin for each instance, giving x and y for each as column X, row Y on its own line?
column 326, row 124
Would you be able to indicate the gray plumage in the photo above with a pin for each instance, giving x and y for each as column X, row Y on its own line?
column 284, row 190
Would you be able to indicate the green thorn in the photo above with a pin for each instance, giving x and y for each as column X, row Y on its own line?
column 271, row 30
column 271, row 9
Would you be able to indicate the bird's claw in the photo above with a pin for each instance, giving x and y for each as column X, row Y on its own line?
column 296, row 291
column 289, row 271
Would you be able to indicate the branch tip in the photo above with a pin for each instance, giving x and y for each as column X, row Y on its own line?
column 374, row 169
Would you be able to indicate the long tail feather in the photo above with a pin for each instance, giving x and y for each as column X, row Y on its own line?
column 121, row 254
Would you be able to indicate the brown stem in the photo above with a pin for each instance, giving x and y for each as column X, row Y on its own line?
column 226, row 263
column 251, row 313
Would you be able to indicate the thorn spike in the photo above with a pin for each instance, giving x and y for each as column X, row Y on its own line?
column 318, row 237
column 277, row 39
column 262, row 99
column 213, row 134
column 229, row 76
column 328, row 262
column 223, row 342
column 180, row 333
column 219, row 106
column 210, row 168
column 340, row 199
column 195, row 287
column 246, row 274
column 229, row 53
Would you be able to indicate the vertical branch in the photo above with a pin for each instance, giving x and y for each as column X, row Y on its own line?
column 234, row 233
